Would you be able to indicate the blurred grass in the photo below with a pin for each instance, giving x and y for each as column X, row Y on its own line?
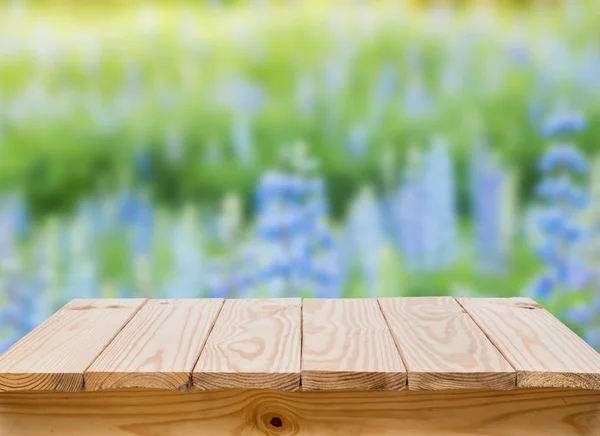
column 56, row 158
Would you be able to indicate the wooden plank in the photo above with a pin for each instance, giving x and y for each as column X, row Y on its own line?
column 543, row 350
column 256, row 343
column 347, row 345
column 442, row 347
column 55, row 355
column 265, row 412
column 158, row 348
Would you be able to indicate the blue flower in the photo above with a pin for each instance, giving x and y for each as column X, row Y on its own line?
column 386, row 82
column 548, row 251
column 550, row 221
column 579, row 315
column 562, row 189
column 142, row 229
column 417, row 100
column 542, row 287
column 596, row 304
column 565, row 156
column 127, row 207
column 326, row 275
column 555, row 223
column 281, row 267
column 314, row 210
column 238, row 93
column 243, row 281
column 217, row 280
column 272, row 184
column 563, row 123
column 357, row 141
column 519, row 54
column 592, row 337
column 218, row 288
column 559, row 222
column 277, row 185
column 324, row 239
column 316, row 187
column 577, row 276
column 571, row 232
column 291, row 212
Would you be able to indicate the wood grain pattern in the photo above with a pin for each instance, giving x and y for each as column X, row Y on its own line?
column 55, row 355
column 254, row 344
column 530, row 412
column 442, row 347
column 347, row 345
column 544, row 351
column 158, row 348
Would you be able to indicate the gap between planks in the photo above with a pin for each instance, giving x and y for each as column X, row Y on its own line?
column 158, row 348
column 543, row 350
column 255, row 343
column 54, row 356
column 348, row 345
column 84, row 387
column 537, row 376
column 442, row 348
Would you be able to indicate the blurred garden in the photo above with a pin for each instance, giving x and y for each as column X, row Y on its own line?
column 299, row 148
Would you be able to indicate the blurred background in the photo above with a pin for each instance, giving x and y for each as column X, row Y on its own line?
column 299, row 148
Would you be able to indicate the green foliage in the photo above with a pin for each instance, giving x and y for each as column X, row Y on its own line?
column 55, row 157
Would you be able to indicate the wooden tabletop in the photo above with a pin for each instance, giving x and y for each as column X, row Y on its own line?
column 425, row 343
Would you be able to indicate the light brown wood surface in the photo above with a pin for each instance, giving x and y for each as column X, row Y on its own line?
column 544, row 351
column 277, row 344
column 527, row 412
column 442, row 347
column 255, row 344
column 55, row 355
column 346, row 344
column 158, row 348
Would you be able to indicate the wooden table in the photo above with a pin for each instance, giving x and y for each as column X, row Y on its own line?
column 394, row 366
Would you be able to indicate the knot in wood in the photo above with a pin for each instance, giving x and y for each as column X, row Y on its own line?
column 274, row 416
column 276, row 422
